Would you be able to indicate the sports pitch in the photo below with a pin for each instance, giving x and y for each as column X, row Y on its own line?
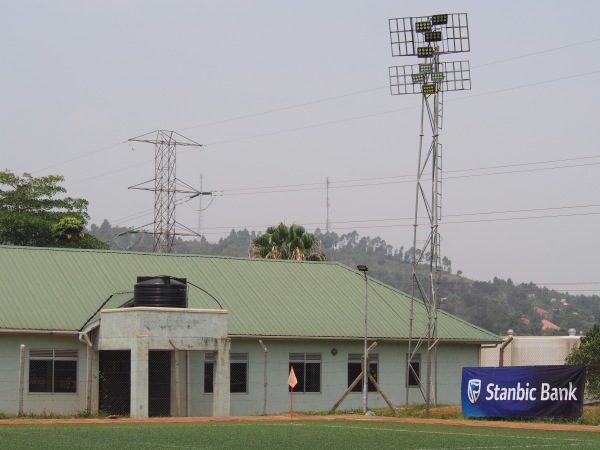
column 282, row 434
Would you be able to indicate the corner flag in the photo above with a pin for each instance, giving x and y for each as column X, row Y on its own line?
column 292, row 380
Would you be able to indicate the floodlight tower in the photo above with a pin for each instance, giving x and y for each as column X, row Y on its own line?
column 165, row 184
column 428, row 38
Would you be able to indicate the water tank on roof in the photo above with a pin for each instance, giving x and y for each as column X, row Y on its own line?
column 160, row 291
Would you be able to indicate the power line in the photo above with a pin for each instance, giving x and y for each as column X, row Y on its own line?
column 367, row 116
column 537, row 53
column 319, row 186
column 322, row 100
column 354, row 180
column 284, row 108
column 350, row 94
column 365, row 182
column 398, row 225
column 85, row 155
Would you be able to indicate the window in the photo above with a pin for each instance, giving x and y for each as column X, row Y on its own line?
column 52, row 370
column 307, row 367
column 238, row 376
column 414, row 370
column 354, row 369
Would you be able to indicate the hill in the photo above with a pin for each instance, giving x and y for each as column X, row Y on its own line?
column 497, row 305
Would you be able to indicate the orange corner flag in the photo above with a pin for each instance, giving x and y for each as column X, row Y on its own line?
column 292, row 380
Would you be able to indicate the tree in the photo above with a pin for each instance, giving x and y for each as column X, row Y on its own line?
column 35, row 212
column 283, row 242
column 588, row 354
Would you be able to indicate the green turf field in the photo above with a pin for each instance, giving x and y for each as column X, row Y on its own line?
column 286, row 435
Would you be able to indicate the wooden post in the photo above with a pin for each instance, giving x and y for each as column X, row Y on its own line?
column 354, row 383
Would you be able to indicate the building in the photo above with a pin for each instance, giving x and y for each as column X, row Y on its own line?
column 73, row 336
column 530, row 350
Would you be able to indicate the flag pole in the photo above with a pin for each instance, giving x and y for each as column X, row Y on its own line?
column 292, row 382
column 292, row 404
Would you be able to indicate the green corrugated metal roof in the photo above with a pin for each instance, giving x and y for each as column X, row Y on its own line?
column 63, row 289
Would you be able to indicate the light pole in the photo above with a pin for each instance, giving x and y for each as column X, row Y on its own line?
column 428, row 38
column 364, row 269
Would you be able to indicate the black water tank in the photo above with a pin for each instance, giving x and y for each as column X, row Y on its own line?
column 160, row 291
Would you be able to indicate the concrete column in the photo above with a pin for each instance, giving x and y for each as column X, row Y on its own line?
column 221, row 394
column 139, row 376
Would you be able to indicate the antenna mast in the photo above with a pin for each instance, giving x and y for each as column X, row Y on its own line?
column 328, row 223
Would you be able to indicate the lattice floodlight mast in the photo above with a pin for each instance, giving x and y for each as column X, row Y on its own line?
column 165, row 184
column 428, row 37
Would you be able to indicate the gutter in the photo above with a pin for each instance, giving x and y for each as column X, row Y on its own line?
column 89, row 328
column 501, row 351
column 39, row 332
column 350, row 338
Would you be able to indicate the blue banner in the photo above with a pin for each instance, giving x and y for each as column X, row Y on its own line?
column 532, row 391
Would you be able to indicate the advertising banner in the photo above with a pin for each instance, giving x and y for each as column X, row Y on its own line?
column 527, row 391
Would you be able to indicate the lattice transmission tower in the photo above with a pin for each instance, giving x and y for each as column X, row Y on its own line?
column 428, row 38
column 166, row 186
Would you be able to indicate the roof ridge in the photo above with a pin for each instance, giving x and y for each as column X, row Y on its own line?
column 174, row 255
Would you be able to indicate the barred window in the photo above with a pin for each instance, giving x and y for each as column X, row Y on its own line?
column 413, row 370
column 354, row 369
column 307, row 367
column 52, row 370
column 238, row 376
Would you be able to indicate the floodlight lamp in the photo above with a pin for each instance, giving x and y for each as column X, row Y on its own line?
column 424, row 52
column 425, row 68
column 433, row 36
column 437, row 76
column 418, row 78
column 428, row 89
column 423, row 26
column 362, row 268
column 439, row 19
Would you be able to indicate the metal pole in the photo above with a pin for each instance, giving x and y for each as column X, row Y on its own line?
column 265, row 376
column 21, row 377
column 366, row 351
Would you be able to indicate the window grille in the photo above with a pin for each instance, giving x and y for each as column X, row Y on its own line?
column 307, row 367
column 413, row 369
column 52, row 371
column 355, row 367
column 238, row 377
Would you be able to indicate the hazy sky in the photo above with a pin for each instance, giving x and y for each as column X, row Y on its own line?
column 285, row 94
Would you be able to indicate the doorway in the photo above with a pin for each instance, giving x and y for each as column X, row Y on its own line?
column 115, row 382
column 159, row 383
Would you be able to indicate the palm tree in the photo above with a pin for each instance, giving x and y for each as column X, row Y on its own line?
column 283, row 242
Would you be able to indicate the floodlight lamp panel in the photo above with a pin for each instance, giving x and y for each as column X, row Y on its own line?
column 437, row 76
column 428, row 89
column 424, row 52
column 439, row 19
column 418, row 78
column 423, row 26
column 425, row 68
column 433, row 36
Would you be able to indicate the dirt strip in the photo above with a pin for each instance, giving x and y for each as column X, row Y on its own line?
column 302, row 417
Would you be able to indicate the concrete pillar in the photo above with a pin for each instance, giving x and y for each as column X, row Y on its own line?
column 221, row 394
column 139, row 376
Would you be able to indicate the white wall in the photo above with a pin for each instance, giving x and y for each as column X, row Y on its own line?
column 38, row 403
column 531, row 351
column 450, row 357
column 334, row 373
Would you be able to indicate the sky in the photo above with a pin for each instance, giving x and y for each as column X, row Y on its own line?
column 285, row 95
